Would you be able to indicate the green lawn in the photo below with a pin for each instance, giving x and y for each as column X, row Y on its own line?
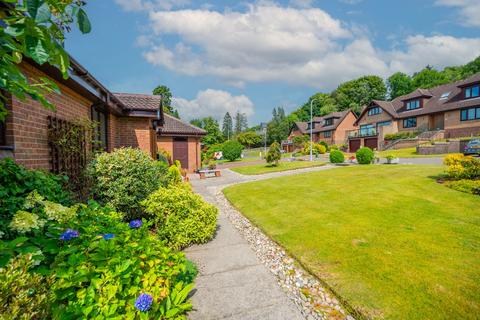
column 389, row 239
column 282, row 166
column 407, row 153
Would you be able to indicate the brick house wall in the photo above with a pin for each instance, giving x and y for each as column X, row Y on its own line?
column 27, row 126
column 422, row 124
column 133, row 132
column 455, row 128
column 373, row 119
column 340, row 134
column 194, row 150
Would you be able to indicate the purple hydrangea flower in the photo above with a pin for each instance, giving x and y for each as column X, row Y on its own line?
column 108, row 236
column 69, row 234
column 134, row 224
column 143, row 302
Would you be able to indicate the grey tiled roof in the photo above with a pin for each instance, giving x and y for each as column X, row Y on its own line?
column 136, row 101
column 174, row 126
column 337, row 116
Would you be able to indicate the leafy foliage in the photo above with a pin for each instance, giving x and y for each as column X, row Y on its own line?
column 337, row 156
column 317, row 148
column 462, row 167
column 232, row 150
column 249, row 139
column 299, row 141
column 17, row 182
column 180, row 216
column 123, row 178
column 209, row 124
column 35, row 29
column 279, row 127
column 465, row 185
column 227, row 126
column 399, row 84
column 23, row 294
column 273, row 154
column 240, row 123
column 365, row 155
column 166, row 94
column 400, row 135
column 323, row 104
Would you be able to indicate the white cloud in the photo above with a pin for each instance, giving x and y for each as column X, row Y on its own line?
column 301, row 46
column 147, row 5
column 213, row 103
column 438, row 51
column 469, row 10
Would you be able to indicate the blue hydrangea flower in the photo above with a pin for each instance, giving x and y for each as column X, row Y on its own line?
column 134, row 224
column 108, row 236
column 143, row 302
column 69, row 234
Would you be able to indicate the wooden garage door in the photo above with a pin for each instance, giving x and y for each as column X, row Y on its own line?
column 180, row 151
column 372, row 143
column 354, row 145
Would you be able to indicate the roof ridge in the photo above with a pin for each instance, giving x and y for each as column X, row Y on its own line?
column 184, row 122
column 136, row 94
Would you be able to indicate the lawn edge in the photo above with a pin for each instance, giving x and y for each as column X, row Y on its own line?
column 321, row 164
column 344, row 303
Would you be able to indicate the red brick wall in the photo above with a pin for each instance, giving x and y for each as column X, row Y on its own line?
column 194, row 152
column 133, row 132
column 29, row 121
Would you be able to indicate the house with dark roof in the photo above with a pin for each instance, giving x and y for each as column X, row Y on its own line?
column 448, row 111
column 331, row 128
column 178, row 138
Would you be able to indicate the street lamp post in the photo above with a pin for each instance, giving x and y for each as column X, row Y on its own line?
column 311, row 129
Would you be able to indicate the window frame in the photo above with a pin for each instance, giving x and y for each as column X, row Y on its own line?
column 465, row 114
column 408, row 104
column 97, row 132
column 406, row 122
column 374, row 111
column 468, row 92
column 3, row 133
column 328, row 122
column 329, row 132
column 384, row 123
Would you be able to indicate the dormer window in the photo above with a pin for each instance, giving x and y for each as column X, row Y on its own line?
column 413, row 104
column 472, row 92
column 375, row 110
column 328, row 122
column 313, row 126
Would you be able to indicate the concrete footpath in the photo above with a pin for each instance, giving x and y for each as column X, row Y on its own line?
column 232, row 282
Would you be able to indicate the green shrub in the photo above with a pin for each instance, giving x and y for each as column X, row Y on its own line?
column 334, row 147
column 16, row 182
column 273, row 154
column 400, row 135
column 323, row 143
column 365, row 155
column 316, row 148
column 232, row 150
column 337, row 156
column 174, row 176
column 101, row 265
column 181, row 217
column 125, row 177
column 462, row 167
column 24, row 294
column 464, row 185
column 165, row 157
column 299, row 141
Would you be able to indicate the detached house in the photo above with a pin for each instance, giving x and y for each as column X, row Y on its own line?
column 447, row 111
column 331, row 128
column 29, row 131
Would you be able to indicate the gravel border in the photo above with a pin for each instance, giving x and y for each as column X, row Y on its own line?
column 306, row 291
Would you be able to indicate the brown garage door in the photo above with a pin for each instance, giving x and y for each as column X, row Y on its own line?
column 354, row 145
column 372, row 143
column 180, row 151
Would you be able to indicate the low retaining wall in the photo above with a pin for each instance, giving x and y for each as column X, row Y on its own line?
column 454, row 146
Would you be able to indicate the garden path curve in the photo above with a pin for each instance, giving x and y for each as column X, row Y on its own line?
column 232, row 282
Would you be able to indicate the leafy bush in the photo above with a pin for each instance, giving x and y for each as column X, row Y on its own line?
column 299, row 141
column 323, row 143
column 462, row 167
column 365, row 155
column 232, row 150
column 125, row 177
column 468, row 186
column 337, row 156
column 102, row 265
column 181, row 217
column 333, row 147
column 16, row 182
column 400, row 135
column 23, row 294
column 165, row 157
column 273, row 154
column 316, row 148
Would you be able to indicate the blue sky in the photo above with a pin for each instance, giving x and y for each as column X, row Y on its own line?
column 252, row 56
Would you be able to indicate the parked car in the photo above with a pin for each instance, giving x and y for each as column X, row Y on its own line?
column 472, row 147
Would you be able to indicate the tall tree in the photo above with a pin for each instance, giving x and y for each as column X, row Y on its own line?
column 35, row 30
column 399, row 84
column 227, row 126
column 197, row 122
column 323, row 104
column 241, row 123
column 209, row 124
column 359, row 92
column 249, row 139
column 279, row 127
column 428, row 78
column 166, row 94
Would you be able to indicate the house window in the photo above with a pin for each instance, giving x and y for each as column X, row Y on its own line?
column 367, row 130
column 413, row 104
column 327, row 134
column 470, row 114
column 3, row 133
column 374, row 111
column 472, row 92
column 384, row 123
column 410, row 122
column 312, row 125
column 328, row 122
column 100, row 135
